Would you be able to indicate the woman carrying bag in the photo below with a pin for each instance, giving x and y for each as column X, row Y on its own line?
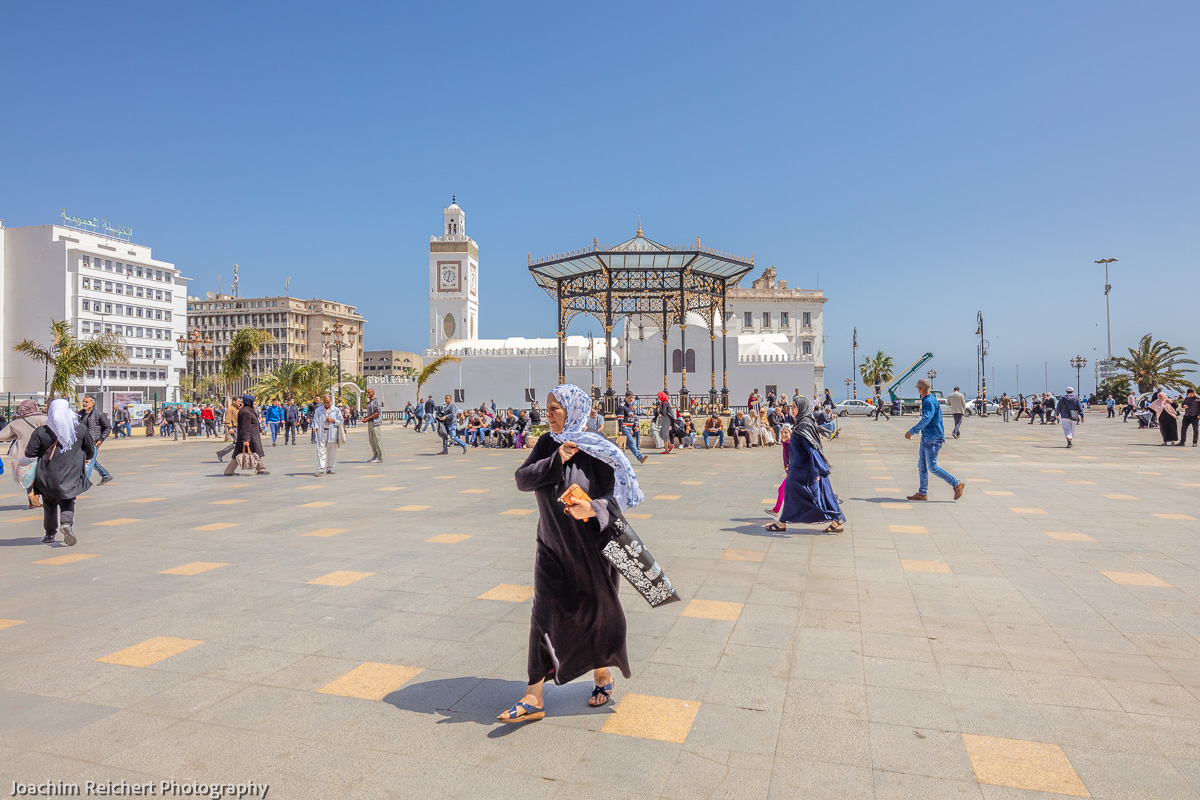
column 664, row 417
column 29, row 418
column 62, row 448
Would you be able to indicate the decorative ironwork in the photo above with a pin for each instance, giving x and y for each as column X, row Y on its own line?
column 642, row 278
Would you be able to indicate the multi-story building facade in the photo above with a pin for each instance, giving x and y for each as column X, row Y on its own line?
column 296, row 324
column 99, row 283
column 786, row 322
column 390, row 363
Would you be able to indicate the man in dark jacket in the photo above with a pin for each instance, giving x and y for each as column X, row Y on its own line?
column 291, row 416
column 248, row 431
column 98, row 427
column 1070, row 413
column 430, row 412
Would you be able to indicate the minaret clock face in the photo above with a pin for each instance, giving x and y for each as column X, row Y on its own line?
column 449, row 276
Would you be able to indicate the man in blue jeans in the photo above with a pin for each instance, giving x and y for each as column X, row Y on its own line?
column 628, row 421
column 933, row 436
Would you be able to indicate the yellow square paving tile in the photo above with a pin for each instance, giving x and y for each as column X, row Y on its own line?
column 235, row 485
column 647, row 516
column 445, row 477
column 1149, row 473
column 340, row 578
column 488, row 468
column 1027, row 510
column 228, row 502
column 69, row 558
column 911, row 565
column 325, row 533
column 449, row 538
column 421, row 468
column 9, row 623
column 1069, row 536
column 1120, row 497
column 150, row 651
column 114, row 522
column 217, row 526
column 412, row 508
column 516, row 512
column 1190, row 485
column 389, row 488
column 1134, row 578
column 886, row 506
column 168, row 484
column 194, row 568
column 642, row 716
column 371, row 681
column 743, row 555
column 1083, row 483
column 996, row 493
column 316, row 504
column 1020, row 764
column 1052, row 471
column 29, row 518
column 907, row 529
column 1174, row 516
column 509, row 593
column 667, row 496
column 981, row 480
column 882, row 478
column 770, row 500
column 713, row 609
column 473, row 491
column 887, row 489
column 147, row 499
column 691, row 483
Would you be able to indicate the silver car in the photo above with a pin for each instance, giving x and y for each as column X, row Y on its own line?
column 853, row 408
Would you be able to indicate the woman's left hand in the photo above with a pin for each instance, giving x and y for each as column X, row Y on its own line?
column 581, row 511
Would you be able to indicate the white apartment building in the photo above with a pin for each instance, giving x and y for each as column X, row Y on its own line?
column 99, row 284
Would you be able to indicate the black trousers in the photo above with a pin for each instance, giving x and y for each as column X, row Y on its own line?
column 289, row 430
column 57, row 512
column 1195, row 423
column 738, row 435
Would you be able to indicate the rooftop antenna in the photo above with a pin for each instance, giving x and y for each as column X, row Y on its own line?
column 286, row 284
column 235, row 280
column 218, row 283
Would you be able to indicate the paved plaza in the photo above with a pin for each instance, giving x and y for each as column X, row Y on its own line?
column 355, row 635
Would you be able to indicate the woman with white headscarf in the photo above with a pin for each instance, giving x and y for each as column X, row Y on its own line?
column 1168, row 418
column 577, row 625
column 62, row 447
column 28, row 419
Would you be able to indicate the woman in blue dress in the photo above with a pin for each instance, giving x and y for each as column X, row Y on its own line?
column 808, row 496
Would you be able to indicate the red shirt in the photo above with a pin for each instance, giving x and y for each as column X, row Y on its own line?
column 206, row 413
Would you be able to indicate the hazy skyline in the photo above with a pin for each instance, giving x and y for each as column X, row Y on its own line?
column 919, row 164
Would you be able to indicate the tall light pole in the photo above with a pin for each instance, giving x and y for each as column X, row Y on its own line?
column 1078, row 362
column 983, row 346
column 336, row 340
column 854, row 364
column 1107, row 309
column 193, row 347
column 849, row 382
column 931, row 375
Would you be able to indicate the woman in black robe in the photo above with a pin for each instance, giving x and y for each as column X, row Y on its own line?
column 578, row 625
column 808, row 496
column 1168, row 422
column 62, row 447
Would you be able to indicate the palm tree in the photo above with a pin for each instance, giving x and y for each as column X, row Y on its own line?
column 72, row 357
column 431, row 369
column 877, row 369
column 1156, row 364
column 283, row 382
column 242, row 347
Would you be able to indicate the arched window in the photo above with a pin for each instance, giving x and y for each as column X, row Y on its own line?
column 676, row 361
column 690, row 360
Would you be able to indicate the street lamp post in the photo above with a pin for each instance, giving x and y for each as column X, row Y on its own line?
column 983, row 346
column 854, row 364
column 849, row 382
column 337, row 340
column 1078, row 362
column 931, row 375
column 194, row 346
column 1107, row 309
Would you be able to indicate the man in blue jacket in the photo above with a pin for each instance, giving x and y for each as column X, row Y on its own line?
column 275, row 420
column 933, row 436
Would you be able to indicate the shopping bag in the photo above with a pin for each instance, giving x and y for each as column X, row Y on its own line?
column 246, row 459
column 25, row 470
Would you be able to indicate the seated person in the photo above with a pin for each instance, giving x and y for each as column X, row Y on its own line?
column 826, row 422
column 685, row 433
column 713, row 427
column 521, row 429
column 738, row 429
column 775, row 421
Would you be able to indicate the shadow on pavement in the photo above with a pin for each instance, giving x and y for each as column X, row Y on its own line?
column 22, row 542
column 751, row 527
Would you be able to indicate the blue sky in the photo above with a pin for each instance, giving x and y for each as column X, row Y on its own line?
column 921, row 161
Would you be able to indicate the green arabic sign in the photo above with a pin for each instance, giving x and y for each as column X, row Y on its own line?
column 97, row 226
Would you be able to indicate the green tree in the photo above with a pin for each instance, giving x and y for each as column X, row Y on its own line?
column 1118, row 387
column 242, row 348
column 877, row 368
column 431, row 369
column 72, row 357
column 1154, row 364
column 286, row 381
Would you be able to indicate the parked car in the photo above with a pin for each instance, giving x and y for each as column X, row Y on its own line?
column 853, row 408
column 973, row 407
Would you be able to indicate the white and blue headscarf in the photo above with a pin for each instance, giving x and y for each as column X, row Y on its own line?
column 578, row 404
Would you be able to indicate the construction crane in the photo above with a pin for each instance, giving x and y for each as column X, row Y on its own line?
column 896, row 382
